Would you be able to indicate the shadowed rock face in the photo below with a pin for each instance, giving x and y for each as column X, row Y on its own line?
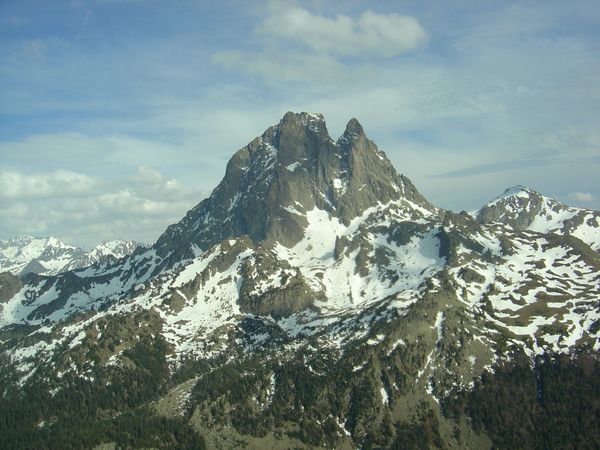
column 9, row 286
column 290, row 169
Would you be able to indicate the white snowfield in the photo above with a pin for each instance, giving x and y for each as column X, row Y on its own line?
column 546, row 296
column 216, row 304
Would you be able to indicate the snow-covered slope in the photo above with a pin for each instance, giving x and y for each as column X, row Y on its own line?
column 525, row 209
column 50, row 256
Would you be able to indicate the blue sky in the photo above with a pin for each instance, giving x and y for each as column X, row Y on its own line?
column 117, row 116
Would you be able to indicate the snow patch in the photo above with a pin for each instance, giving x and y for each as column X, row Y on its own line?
column 292, row 167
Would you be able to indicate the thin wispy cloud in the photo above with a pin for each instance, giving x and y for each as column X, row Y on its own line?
column 16, row 21
column 482, row 169
column 35, row 47
column 582, row 196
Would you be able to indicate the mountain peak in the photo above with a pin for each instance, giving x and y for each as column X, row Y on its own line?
column 354, row 127
column 292, row 168
column 519, row 194
column 353, row 133
column 517, row 191
column 314, row 122
column 523, row 208
column 303, row 117
column 518, row 206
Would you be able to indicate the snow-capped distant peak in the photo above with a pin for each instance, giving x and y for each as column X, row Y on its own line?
column 525, row 209
column 117, row 249
column 115, row 246
column 50, row 255
column 54, row 242
column 514, row 201
column 515, row 191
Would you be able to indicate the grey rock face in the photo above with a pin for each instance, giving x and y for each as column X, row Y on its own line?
column 270, row 286
column 271, row 183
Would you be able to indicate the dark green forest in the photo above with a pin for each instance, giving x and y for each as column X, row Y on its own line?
column 552, row 404
column 112, row 407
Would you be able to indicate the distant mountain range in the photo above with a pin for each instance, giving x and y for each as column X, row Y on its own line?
column 317, row 300
column 50, row 256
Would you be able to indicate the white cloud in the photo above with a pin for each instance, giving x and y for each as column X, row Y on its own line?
column 297, row 45
column 582, row 196
column 372, row 34
column 61, row 183
column 85, row 210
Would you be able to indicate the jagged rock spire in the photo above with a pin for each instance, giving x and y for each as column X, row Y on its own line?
column 292, row 168
column 353, row 129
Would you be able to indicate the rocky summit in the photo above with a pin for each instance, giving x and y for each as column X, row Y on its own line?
column 317, row 300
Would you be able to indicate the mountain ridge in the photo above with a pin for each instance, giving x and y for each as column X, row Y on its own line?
column 345, row 313
column 50, row 256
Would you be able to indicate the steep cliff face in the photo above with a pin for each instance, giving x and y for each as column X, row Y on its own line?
column 291, row 169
